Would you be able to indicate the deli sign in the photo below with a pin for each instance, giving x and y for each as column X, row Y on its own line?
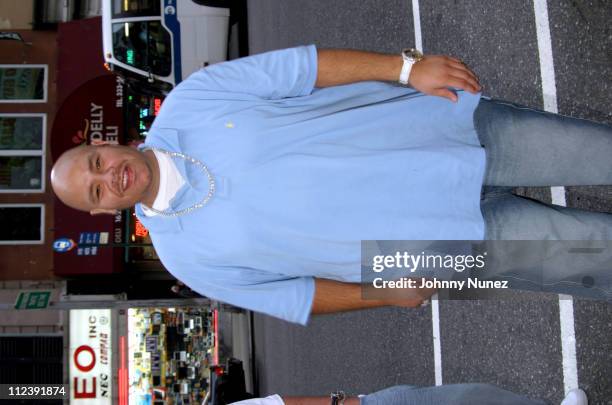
column 90, row 357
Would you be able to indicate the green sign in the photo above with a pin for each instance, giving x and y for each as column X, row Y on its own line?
column 130, row 57
column 33, row 300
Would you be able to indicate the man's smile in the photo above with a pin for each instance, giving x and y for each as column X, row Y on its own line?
column 127, row 178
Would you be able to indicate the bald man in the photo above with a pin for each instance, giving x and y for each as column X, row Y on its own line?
column 260, row 176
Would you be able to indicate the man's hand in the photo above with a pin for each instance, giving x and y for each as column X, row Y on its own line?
column 409, row 298
column 434, row 75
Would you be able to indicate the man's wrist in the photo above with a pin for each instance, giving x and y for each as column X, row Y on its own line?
column 410, row 57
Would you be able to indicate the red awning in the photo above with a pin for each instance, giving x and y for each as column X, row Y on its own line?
column 79, row 55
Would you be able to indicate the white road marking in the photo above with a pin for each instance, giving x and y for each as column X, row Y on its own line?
column 547, row 68
column 416, row 15
column 435, row 322
column 558, row 195
column 568, row 342
column 549, row 92
column 435, row 306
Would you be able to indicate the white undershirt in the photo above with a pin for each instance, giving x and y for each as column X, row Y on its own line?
column 271, row 400
column 170, row 181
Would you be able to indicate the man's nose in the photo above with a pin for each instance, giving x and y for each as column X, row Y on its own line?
column 108, row 176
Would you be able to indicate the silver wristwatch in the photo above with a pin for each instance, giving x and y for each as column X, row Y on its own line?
column 410, row 56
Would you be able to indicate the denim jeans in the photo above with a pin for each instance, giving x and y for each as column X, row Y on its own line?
column 526, row 147
column 456, row 394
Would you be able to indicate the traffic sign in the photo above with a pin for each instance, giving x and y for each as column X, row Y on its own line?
column 33, row 300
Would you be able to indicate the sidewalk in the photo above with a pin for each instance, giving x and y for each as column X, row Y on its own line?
column 235, row 341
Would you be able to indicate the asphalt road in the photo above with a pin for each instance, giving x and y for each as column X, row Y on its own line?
column 514, row 343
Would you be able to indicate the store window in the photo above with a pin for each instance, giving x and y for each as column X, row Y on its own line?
column 170, row 351
column 22, row 152
column 144, row 45
column 141, row 106
column 23, row 83
column 140, row 110
column 21, row 224
column 141, row 246
column 136, row 8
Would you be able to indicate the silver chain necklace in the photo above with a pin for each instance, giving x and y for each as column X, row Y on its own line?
column 211, row 185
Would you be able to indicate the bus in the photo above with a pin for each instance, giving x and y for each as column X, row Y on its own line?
column 163, row 41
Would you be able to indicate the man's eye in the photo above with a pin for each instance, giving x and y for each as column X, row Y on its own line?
column 98, row 192
column 98, row 165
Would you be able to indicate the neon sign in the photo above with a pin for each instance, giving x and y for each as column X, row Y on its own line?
column 130, row 56
column 140, row 229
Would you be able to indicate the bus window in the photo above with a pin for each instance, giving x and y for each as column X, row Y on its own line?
column 144, row 45
column 136, row 8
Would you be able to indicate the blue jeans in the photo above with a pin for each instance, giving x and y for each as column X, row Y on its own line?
column 457, row 394
column 526, row 147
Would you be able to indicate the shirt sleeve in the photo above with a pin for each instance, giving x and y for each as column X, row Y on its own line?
column 277, row 74
column 288, row 298
column 271, row 400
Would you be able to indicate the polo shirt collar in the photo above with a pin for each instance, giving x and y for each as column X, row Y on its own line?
column 166, row 139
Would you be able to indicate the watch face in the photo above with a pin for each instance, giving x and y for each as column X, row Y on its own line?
column 412, row 53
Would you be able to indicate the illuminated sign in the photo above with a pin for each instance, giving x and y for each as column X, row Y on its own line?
column 156, row 106
column 130, row 56
column 140, row 229
column 63, row 245
column 90, row 360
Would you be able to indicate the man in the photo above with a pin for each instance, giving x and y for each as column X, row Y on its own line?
column 257, row 188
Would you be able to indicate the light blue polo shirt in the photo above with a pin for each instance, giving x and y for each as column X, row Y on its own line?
column 304, row 174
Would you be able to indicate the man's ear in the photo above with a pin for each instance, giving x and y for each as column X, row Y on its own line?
column 99, row 142
column 98, row 211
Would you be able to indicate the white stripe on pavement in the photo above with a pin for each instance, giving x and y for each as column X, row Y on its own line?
column 547, row 69
column 558, row 195
column 435, row 322
column 416, row 15
column 435, row 306
column 549, row 93
column 568, row 342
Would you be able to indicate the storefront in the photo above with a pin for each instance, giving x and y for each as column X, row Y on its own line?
column 170, row 351
column 91, row 357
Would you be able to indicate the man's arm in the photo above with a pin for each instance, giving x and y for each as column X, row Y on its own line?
column 334, row 296
column 433, row 75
